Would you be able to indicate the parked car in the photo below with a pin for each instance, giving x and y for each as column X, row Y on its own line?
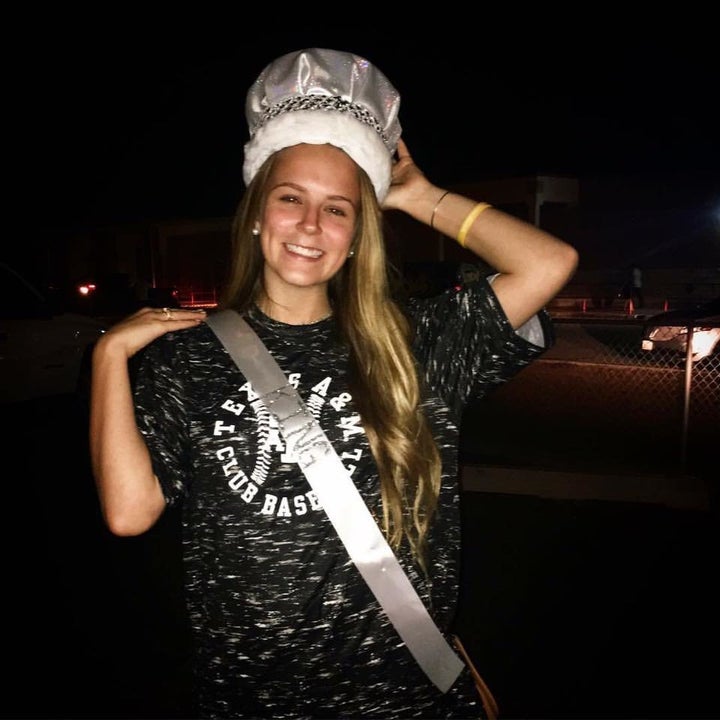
column 669, row 330
column 43, row 348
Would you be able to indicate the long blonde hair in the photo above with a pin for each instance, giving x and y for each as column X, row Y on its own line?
column 378, row 335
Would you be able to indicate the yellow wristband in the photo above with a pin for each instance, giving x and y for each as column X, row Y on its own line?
column 469, row 220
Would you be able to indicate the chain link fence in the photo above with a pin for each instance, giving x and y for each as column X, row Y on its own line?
column 598, row 402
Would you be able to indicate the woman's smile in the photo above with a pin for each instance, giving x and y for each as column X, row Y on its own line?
column 307, row 252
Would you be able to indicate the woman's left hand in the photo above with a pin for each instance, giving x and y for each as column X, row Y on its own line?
column 408, row 184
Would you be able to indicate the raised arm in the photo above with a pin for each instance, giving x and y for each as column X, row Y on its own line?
column 130, row 496
column 533, row 264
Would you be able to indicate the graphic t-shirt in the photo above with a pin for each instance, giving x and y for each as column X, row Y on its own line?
column 283, row 623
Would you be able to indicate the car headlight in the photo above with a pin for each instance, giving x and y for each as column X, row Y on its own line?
column 704, row 341
column 664, row 333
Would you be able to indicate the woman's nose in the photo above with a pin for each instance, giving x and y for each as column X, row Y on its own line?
column 310, row 221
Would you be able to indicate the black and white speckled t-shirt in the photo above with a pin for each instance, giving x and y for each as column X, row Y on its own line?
column 284, row 625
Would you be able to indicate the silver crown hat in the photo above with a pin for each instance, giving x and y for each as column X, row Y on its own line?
column 320, row 96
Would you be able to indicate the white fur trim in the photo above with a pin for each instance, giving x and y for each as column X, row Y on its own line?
column 318, row 127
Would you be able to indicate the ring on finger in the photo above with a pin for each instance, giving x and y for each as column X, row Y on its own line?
column 167, row 313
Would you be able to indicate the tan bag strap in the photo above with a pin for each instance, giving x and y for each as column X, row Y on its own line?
column 488, row 699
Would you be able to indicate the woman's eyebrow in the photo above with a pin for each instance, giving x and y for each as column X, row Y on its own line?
column 300, row 188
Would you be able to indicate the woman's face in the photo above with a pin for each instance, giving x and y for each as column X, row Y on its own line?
column 309, row 218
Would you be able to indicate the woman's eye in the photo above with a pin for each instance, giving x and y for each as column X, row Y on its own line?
column 337, row 211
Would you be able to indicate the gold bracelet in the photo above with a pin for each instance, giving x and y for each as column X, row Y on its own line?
column 469, row 220
column 437, row 205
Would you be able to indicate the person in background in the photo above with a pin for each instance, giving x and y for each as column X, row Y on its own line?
column 636, row 286
column 283, row 623
column 467, row 273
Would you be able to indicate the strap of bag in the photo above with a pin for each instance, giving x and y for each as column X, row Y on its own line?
column 490, row 705
column 342, row 502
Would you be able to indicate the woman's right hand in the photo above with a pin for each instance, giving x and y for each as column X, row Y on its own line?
column 130, row 495
column 134, row 332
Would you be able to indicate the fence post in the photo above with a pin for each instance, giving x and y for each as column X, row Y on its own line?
column 686, row 399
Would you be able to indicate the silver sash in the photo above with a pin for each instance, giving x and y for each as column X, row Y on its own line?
column 347, row 511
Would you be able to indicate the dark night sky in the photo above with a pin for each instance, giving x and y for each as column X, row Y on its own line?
column 119, row 123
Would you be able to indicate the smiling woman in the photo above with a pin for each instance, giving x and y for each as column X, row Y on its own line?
column 292, row 615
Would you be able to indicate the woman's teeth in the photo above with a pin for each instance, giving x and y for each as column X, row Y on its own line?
column 307, row 252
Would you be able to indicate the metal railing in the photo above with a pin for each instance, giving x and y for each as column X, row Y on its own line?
column 197, row 298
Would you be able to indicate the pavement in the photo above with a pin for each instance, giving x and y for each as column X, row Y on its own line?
column 584, row 608
column 681, row 491
column 571, row 608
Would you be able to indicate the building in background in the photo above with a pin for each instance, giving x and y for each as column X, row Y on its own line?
column 190, row 256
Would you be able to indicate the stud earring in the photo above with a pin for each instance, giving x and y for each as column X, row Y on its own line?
column 351, row 254
column 256, row 231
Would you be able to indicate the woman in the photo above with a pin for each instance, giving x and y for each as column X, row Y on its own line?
column 284, row 624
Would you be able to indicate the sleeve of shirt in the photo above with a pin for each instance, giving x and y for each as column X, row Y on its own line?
column 161, row 413
column 467, row 347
